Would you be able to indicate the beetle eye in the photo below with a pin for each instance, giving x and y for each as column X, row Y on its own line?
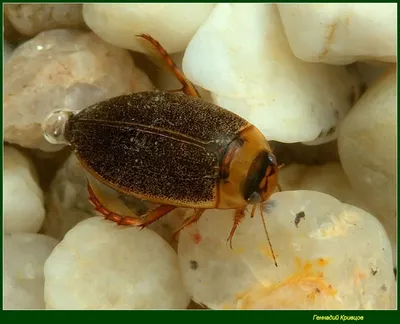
column 272, row 158
column 254, row 198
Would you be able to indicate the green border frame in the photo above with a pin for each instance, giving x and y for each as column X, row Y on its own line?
column 186, row 316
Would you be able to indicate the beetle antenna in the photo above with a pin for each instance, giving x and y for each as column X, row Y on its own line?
column 266, row 232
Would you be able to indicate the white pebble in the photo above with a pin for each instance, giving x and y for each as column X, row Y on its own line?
column 101, row 266
column 24, row 257
column 61, row 69
column 341, row 33
column 173, row 25
column 261, row 80
column 367, row 147
column 23, row 198
column 337, row 257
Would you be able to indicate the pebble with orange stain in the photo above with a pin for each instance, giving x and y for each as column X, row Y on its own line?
column 196, row 237
column 309, row 280
column 323, row 264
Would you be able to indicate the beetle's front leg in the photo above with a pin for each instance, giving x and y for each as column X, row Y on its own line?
column 187, row 87
column 239, row 215
column 142, row 222
column 278, row 185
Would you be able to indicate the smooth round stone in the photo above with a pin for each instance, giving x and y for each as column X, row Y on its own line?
column 261, row 80
column 62, row 69
column 23, row 198
column 24, row 257
column 173, row 24
column 328, row 178
column 341, row 33
column 99, row 265
column 367, row 148
column 31, row 19
column 335, row 257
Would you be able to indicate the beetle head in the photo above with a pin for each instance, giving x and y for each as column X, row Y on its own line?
column 262, row 178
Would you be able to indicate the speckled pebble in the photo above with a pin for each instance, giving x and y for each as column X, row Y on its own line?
column 62, row 69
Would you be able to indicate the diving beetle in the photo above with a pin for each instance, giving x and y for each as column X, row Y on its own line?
column 174, row 150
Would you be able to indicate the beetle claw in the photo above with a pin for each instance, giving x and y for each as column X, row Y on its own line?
column 230, row 241
column 253, row 210
column 239, row 215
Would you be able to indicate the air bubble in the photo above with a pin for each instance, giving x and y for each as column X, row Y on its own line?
column 54, row 126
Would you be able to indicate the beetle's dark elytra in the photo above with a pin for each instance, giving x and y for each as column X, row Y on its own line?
column 157, row 144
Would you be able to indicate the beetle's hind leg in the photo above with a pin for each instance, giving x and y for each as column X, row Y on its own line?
column 142, row 222
column 187, row 87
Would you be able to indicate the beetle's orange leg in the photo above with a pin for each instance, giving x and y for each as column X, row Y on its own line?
column 188, row 221
column 187, row 87
column 142, row 222
column 280, row 167
column 239, row 215
column 155, row 214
